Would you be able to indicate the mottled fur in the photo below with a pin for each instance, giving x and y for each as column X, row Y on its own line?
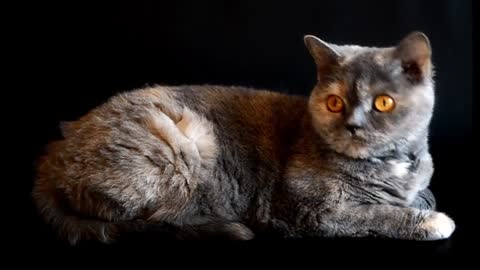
column 231, row 161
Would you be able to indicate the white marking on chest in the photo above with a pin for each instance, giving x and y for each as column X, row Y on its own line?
column 399, row 168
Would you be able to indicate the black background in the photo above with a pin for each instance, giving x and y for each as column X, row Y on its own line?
column 80, row 54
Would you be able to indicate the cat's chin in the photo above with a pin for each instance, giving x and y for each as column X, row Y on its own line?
column 358, row 149
column 355, row 150
column 362, row 150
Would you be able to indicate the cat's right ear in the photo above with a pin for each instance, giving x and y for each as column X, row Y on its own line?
column 415, row 54
column 325, row 57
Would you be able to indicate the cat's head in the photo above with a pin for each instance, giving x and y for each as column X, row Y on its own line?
column 369, row 100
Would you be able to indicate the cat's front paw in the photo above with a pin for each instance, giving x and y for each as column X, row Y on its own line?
column 436, row 226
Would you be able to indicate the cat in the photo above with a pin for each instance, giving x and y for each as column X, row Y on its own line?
column 207, row 161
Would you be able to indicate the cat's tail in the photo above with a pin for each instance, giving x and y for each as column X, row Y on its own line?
column 55, row 210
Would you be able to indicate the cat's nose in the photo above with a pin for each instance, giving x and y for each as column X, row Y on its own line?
column 355, row 120
column 352, row 128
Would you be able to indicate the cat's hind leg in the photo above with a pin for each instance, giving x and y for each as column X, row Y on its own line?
column 216, row 230
column 210, row 230
column 188, row 156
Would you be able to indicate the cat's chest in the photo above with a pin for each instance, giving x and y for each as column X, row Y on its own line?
column 398, row 168
column 391, row 180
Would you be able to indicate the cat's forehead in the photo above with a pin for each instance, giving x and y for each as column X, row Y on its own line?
column 350, row 53
column 354, row 53
column 365, row 66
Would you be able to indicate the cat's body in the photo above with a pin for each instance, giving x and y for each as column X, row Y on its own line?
column 238, row 162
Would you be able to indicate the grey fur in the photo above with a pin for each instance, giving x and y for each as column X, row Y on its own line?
column 232, row 161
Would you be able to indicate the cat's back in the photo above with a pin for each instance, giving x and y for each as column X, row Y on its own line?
column 142, row 116
column 158, row 121
column 240, row 113
column 263, row 122
column 211, row 99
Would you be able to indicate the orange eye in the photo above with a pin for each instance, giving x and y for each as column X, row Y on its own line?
column 384, row 103
column 334, row 103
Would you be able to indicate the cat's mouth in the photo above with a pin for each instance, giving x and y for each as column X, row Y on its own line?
column 357, row 138
column 358, row 141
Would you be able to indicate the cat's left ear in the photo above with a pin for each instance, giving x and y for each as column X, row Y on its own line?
column 415, row 54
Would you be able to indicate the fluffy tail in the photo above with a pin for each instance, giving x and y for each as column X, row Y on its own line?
column 55, row 210
column 73, row 228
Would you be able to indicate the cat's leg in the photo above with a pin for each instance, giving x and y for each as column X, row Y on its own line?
column 425, row 200
column 205, row 228
column 218, row 230
column 387, row 221
column 188, row 154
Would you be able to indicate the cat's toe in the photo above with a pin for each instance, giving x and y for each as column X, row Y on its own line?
column 437, row 226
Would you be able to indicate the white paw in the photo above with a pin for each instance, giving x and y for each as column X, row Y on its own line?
column 437, row 226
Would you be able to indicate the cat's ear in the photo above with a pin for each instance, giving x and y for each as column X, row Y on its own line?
column 415, row 52
column 324, row 55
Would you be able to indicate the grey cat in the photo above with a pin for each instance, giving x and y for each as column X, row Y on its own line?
column 351, row 160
